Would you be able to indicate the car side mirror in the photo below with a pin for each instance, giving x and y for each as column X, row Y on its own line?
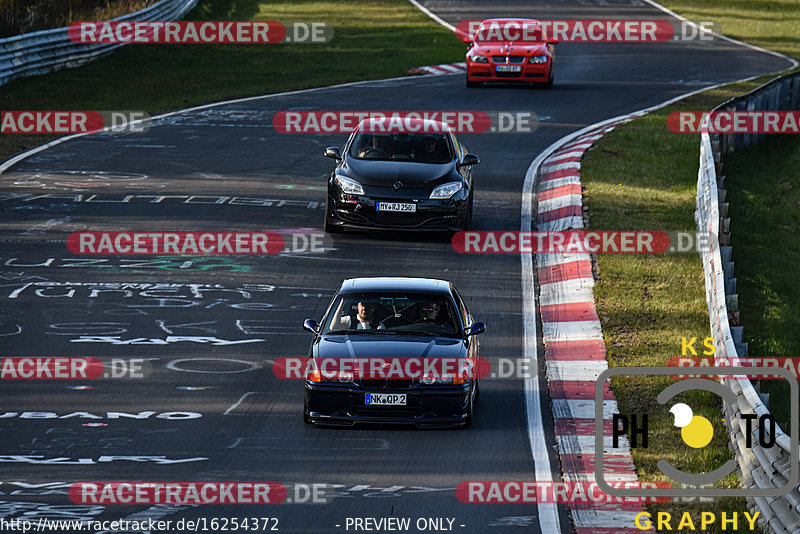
column 311, row 325
column 469, row 159
column 333, row 152
column 474, row 329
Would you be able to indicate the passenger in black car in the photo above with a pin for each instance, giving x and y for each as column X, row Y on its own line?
column 428, row 313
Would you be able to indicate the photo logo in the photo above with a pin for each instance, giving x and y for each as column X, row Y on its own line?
column 696, row 431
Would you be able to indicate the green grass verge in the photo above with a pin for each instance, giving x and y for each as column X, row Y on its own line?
column 764, row 195
column 373, row 39
column 642, row 176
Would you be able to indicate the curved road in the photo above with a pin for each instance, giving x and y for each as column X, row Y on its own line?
column 211, row 409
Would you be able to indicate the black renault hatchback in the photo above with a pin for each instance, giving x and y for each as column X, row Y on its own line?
column 420, row 180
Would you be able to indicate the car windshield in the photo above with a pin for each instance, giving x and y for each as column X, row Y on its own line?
column 419, row 148
column 392, row 313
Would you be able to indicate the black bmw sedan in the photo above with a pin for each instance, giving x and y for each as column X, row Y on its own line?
column 393, row 350
column 406, row 180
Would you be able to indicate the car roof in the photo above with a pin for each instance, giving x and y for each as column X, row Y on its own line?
column 414, row 125
column 395, row 283
column 511, row 20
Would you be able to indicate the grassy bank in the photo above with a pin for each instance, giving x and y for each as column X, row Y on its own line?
column 764, row 195
column 373, row 39
column 642, row 176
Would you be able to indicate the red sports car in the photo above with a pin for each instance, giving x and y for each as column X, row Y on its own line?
column 510, row 50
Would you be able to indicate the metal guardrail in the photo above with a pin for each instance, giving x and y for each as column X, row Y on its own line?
column 43, row 51
column 760, row 467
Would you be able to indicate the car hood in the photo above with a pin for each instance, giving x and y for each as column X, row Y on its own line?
column 386, row 173
column 509, row 48
column 387, row 346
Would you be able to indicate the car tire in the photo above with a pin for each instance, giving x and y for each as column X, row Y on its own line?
column 549, row 83
column 306, row 419
column 327, row 226
column 470, row 412
column 466, row 222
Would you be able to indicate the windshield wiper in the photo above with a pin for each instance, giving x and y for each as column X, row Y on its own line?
column 413, row 332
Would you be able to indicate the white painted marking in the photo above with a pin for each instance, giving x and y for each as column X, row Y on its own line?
column 574, row 222
column 585, row 445
column 582, row 409
column 564, row 155
column 591, row 517
column 238, row 402
column 560, row 202
column 575, row 370
column 577, row 290
column 433, row 16
column 559, row 182
column 561, row 166
column 572, row 331
column 544, row 260
column 549, row 521
column 251, row 366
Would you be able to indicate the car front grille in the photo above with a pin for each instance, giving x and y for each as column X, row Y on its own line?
column 508, row 59
column 387, row 384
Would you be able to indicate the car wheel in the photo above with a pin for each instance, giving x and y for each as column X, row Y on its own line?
column 549, row 83
column 477, row 390
column 327, row 226
column 468, row 217
column 470, row 412
column 473, row 84
column 306, row 419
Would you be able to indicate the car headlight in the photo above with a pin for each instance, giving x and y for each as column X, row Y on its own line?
column 478, row 59
column 538, row 59
column 429, row 380
column 344, row 376
column 447, row 190
column 351, row 187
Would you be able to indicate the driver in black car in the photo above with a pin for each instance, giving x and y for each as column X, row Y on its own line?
column 378, row 147
column 363, row 320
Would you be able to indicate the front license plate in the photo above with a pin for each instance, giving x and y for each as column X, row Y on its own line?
column 508, row 68
column 397, row 206
column 386, row 399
